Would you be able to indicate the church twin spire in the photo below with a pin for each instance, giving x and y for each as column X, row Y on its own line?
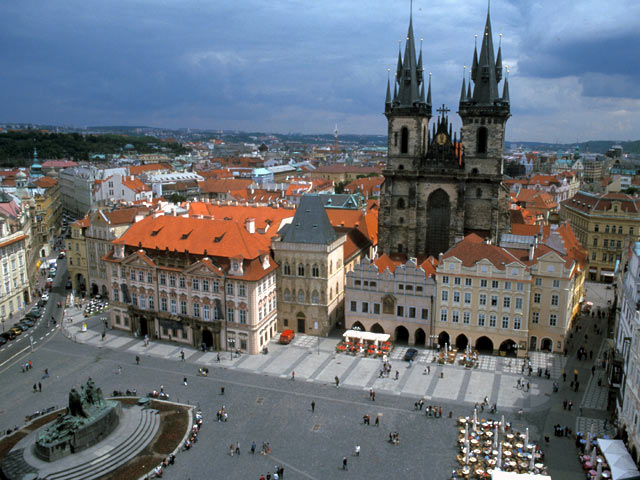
column 409, row 83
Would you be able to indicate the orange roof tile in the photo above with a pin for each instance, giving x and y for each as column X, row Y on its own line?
column 46, row 182
column 223, row 185
column 135, row 184
column 472, row 249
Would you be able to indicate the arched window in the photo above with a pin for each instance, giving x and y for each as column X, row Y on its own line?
column 330, row 293
column 400, row 167
column 287, row 269
column 401, row 204
column 404, row 140
column 287, row 295
column 330, row 267
column 300, row 270
column 300, row 296
column 424, row 134
column 481, row 144
column 315, row 270
column 315, row 297
column 478, row 192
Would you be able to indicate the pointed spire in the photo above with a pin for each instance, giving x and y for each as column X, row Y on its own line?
column 429, row 92
column 486, row 84
column 395, row 93
column 422, row 92
column 387, row 100
column 420, row 68
column 499, row 61
column 463, row 91
column 505, row 90
column 474, row 65
column 399, row 69
column 469, row 88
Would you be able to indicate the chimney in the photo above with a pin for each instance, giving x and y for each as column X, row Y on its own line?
column 532, row 251
column 250, row 225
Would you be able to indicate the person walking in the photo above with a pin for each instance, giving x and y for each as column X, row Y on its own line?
column 182, row 355
column 344, row 463
column 293, row 375
column 184, row 380
column 39, row 387
column 222, row 390
column 377, row 421
column 253, row 447
column 313, row 406
column 357, row 451
column 35, row 388
column 237, row 448
column 337, row 380
column 137, row 360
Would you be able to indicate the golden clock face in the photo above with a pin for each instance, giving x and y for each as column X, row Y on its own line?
column 441, row 138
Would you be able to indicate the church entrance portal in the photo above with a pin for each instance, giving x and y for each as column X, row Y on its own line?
column 438, row 220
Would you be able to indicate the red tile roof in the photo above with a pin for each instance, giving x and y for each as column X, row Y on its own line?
column 588, row 202
column 473, row 249
column 46, row 182
column 224, row 185
column 135, row 184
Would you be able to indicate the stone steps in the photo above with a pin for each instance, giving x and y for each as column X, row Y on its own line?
column 146, row 429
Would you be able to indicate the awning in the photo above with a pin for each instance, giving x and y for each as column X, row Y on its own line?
column 172, row 324
column 618, row 458
column 606, row 273
column 592, row 270
column 369, row 336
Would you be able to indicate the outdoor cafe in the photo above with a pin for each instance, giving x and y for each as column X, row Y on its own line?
column 356, row 342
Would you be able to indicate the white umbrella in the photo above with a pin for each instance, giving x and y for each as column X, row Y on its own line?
column 466, row 451
column 475, row 418
column 466, row 433
column 526, row 436
column 593, row 456
column 533, row 459
column 499, row 462
column 588, row 448
column 502, row 425
column 495, row 438
column 599, row 470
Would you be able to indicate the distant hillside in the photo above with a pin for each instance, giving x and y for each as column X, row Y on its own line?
column 594, row 146
column 16, row 148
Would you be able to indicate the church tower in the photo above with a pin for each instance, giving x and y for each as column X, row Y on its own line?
column 484, row 113
column 439, row 188
column 408, row 114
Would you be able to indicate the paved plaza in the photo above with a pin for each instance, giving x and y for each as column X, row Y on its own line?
column 264, row 404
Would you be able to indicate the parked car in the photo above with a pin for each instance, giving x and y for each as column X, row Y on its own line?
column 61, row 255
column 23, row 326
column 15, row 330
column 287, row 336
column 42, row 302
column 27, row 321
column 410, row 354
column 35, row 313
column 3, row 340
column 9, row 335
column 45, row 296
column 69, row 285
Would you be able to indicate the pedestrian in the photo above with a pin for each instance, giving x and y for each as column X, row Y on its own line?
column 39, row 387
column 564, row 404
column 184, row 380
column 357, row 450
column 119, row 370
column 377, row 421
column 35, row 388
column 569, row 405
column 237, row 448
column 593, row 370
column 253, row 447
column 397, row 374
column 564, row 376
column 421, row 403
column 293, row 375
column 575, row 374
column 337, row 380
column 373, row 395
column 182, row 355
column 313, row 406
column 281, row 471
column 137, row 360
column 218, row 357
column 222, row 390
column 428, row 370
column 344, row 463
column 577, row 386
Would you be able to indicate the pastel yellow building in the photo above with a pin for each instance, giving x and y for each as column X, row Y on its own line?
column 77, row 263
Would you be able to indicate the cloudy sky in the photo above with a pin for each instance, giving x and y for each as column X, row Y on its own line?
column 304, row 65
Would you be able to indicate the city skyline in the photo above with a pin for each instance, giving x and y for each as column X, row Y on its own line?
column 280, row 67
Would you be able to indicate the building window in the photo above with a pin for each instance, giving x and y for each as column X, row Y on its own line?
column 536, row 298
column 596, row 228
column 286, row 269
column 456, row 281
column 117, row 319
column 556, row 284
column 554, row 300
column 606, row 243
column 143, row 302
column 445, row 296
column 538, row 282
column 242, row 290
column 183, row 307
column 181, row 282
column 132, row 274
column 483, row 283
column 606, row 229
column 468, row 282
column 456, row 297
column 400, row 311
column 492, row 321
column 425, row 314
column 243, row 316
column 172, row 280
column 215, row 286
column 506, row 302
column 287, row 295
column 495, row 284
column 300, row 270
column 196, row 310
column 481, row 140
column 481, row 318
column 229, row 288
column 163, row 304
column 553, row 320
column 404, row 140
column 134, row 299
column 230, row 314
column 494, row 300
column 116, row 295
column 400, row 204
column 517, row 323
column 455, row 316
column 505, row 322
column 365, row 307
column 467, row 298
column 163, row 279
column 412, row 312
column 483, row 299
column 443, row 315
column 206, row 312
column 595, row 242
column 466, row 316
column 149, row 277
column 140, row 276
column 315, row 270
column 445, row 279
column 519, row 303
column 174, row 307
column 507, row 285
column 535, row 317
column 300, row 296
column 520, row 286
column 151, row 303
column 376, row 309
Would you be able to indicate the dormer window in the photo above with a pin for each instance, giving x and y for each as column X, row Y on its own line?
column 235, row 265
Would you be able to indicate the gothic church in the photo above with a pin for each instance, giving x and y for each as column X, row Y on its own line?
column 438, row 187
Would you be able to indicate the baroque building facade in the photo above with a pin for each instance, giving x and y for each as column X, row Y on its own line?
column 439, row 187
